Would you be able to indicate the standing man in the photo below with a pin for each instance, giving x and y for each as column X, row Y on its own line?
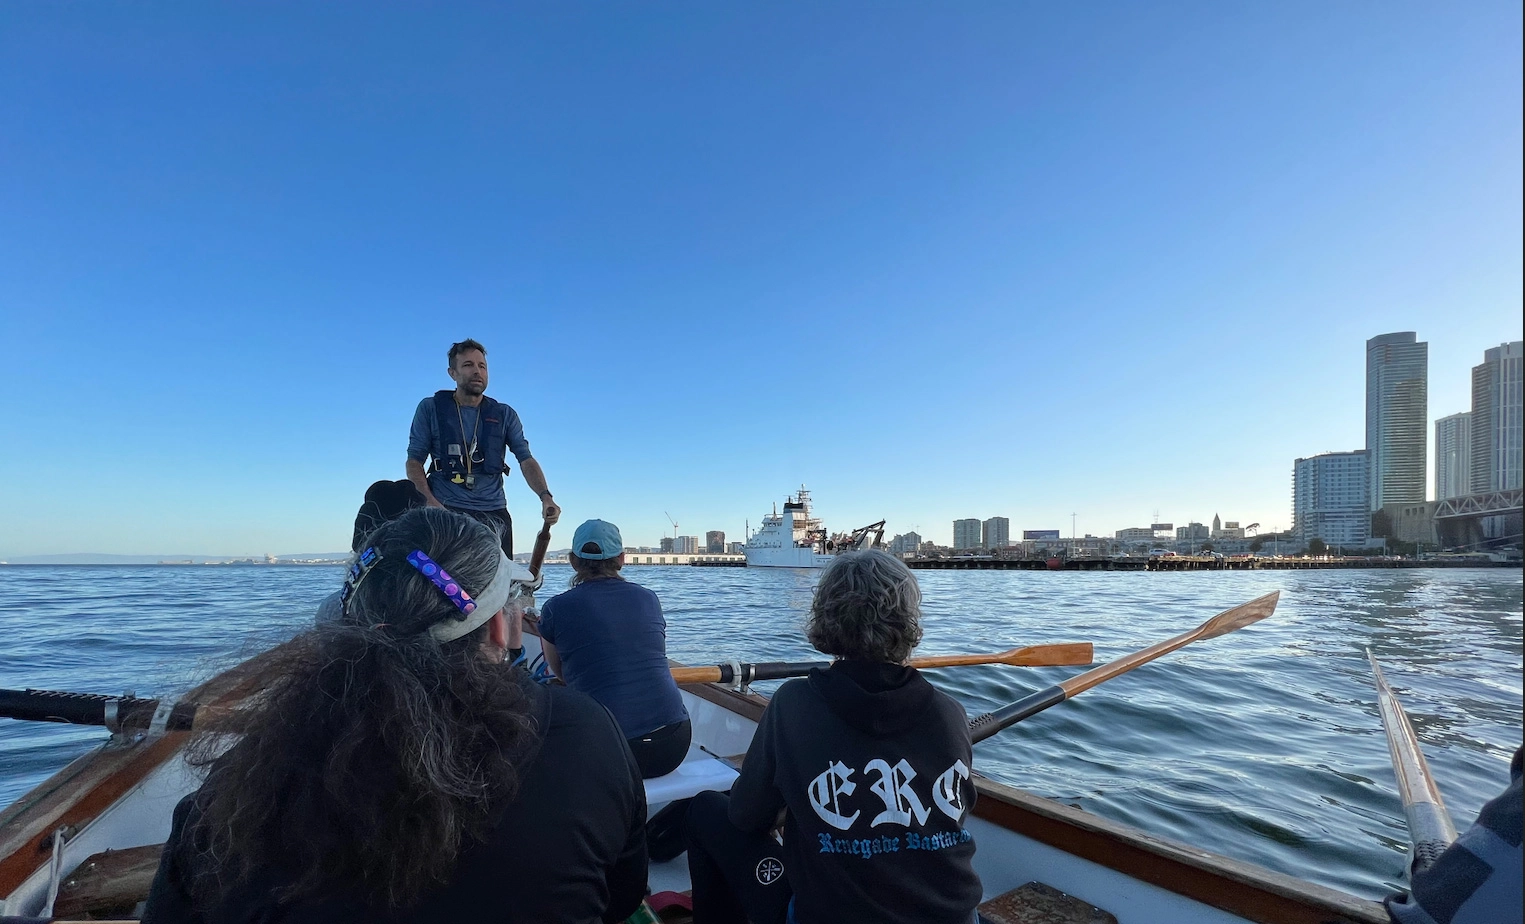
column 468, row 436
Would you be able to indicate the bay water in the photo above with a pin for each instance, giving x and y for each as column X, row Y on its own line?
column 1264, row 745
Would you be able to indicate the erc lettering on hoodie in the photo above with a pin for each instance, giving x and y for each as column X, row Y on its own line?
column 832, row 797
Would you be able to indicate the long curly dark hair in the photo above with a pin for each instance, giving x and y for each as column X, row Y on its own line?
column 375, row 754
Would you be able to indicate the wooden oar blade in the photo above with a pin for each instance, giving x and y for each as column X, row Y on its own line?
column 1063, row 654
column 1240, row 616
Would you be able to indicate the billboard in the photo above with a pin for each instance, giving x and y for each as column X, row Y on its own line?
column 1040, row 534
column 1162, row 527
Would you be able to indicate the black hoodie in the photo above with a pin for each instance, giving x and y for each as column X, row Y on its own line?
column 873, row 765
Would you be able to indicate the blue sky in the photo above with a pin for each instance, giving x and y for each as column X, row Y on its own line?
column 931, row 260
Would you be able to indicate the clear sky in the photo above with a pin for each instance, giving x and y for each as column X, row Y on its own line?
column 932, row 260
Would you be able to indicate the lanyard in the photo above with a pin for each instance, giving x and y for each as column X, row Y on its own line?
column 476, row 425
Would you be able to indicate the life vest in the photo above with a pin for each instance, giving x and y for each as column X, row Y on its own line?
column 490, row 436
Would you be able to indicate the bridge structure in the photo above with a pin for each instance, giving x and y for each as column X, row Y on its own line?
column 1460, row 521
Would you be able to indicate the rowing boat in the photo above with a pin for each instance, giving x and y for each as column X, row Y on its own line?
column 85, row 841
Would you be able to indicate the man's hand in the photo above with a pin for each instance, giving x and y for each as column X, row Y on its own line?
column 549, row 512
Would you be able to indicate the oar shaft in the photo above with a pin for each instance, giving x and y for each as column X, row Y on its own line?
column 1230, row 620
column 1006, row 716
column 1430, row 827
column 1063, row 654
column 1055, row 655
column 1085, row 681
column 542, row 545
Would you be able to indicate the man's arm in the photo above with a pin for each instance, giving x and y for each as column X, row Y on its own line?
column 420, row 441
column 420, row 479
column 535, row 478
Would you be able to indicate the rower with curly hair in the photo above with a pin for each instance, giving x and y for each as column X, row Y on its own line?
column 395, row 769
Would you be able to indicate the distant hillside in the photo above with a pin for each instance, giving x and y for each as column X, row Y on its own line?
column 102, row 558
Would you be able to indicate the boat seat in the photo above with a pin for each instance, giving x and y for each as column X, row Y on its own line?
column 1040, row 903
column 699, row 772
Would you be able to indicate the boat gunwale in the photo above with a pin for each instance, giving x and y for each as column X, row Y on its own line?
column 1238, row 887
column 81, row 792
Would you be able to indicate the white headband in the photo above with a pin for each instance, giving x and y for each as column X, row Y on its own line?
column 512, row 580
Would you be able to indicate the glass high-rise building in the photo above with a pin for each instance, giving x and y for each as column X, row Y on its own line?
column 966, row 534
column 1496, row 419
column 1329, row 498
column 1453, row 456
column 996, row 533
column 1397, row 405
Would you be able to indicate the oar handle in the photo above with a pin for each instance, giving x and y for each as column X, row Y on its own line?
column 113, row 712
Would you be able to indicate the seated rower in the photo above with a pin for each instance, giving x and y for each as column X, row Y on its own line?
column 870, row 762
column 606, row 637
column 395, row 769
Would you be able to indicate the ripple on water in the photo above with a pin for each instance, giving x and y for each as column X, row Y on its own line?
column 1264, row 745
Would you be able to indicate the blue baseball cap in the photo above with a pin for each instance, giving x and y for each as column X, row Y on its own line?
column 606, row 536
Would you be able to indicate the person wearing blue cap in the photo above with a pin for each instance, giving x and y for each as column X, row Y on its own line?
column 606, row 637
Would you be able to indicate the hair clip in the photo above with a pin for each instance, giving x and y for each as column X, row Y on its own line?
column 439, row 578
column 358, row 569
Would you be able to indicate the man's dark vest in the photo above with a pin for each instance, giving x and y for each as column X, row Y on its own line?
column 491, row 434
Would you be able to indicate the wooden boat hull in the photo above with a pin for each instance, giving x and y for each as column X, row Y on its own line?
column 120, row 796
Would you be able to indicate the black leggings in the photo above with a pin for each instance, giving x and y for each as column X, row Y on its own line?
column 659, row 752
column 496, row 520
column 736, row 876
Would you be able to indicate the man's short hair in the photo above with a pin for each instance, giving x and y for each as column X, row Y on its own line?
column 468, row 344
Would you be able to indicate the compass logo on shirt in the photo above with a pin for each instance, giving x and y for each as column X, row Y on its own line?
column 769, row 871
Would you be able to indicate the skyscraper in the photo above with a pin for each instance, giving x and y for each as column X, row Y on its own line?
column 1397, row 403
column 966, row 534
column 1329, row 498
column 1453, row 456
column 1496, row 419
column 714, row 541
column 995, row 533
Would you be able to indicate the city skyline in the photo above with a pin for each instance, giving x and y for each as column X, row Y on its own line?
column 1074, row 266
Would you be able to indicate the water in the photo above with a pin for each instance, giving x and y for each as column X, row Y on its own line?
column 1264, row 745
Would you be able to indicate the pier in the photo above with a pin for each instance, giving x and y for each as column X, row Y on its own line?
column 1194, row 563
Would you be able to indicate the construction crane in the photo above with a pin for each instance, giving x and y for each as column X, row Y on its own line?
column 674, row 528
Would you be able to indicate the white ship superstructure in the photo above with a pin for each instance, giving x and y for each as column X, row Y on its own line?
column 795, row 539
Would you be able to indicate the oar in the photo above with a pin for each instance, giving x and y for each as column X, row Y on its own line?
column 114, row 712
column 1221, row 624
column 1059, row 655
column 1430, row 827
column 542, row 545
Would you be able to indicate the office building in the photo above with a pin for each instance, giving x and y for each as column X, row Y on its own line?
column 1135, row 534
column 714, row 541
column 686, row 545
column 905, row 544
column 966, row 534
column 1330, row 498
column 1453, row 456
column 667, row 543
column 1397, row 405
column 1496, row 422
column 995, row 533
column 1192, row 532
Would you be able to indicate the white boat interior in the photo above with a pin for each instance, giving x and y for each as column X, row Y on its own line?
column 121, row 796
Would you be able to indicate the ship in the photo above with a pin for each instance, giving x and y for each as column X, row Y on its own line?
column 795, row 539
